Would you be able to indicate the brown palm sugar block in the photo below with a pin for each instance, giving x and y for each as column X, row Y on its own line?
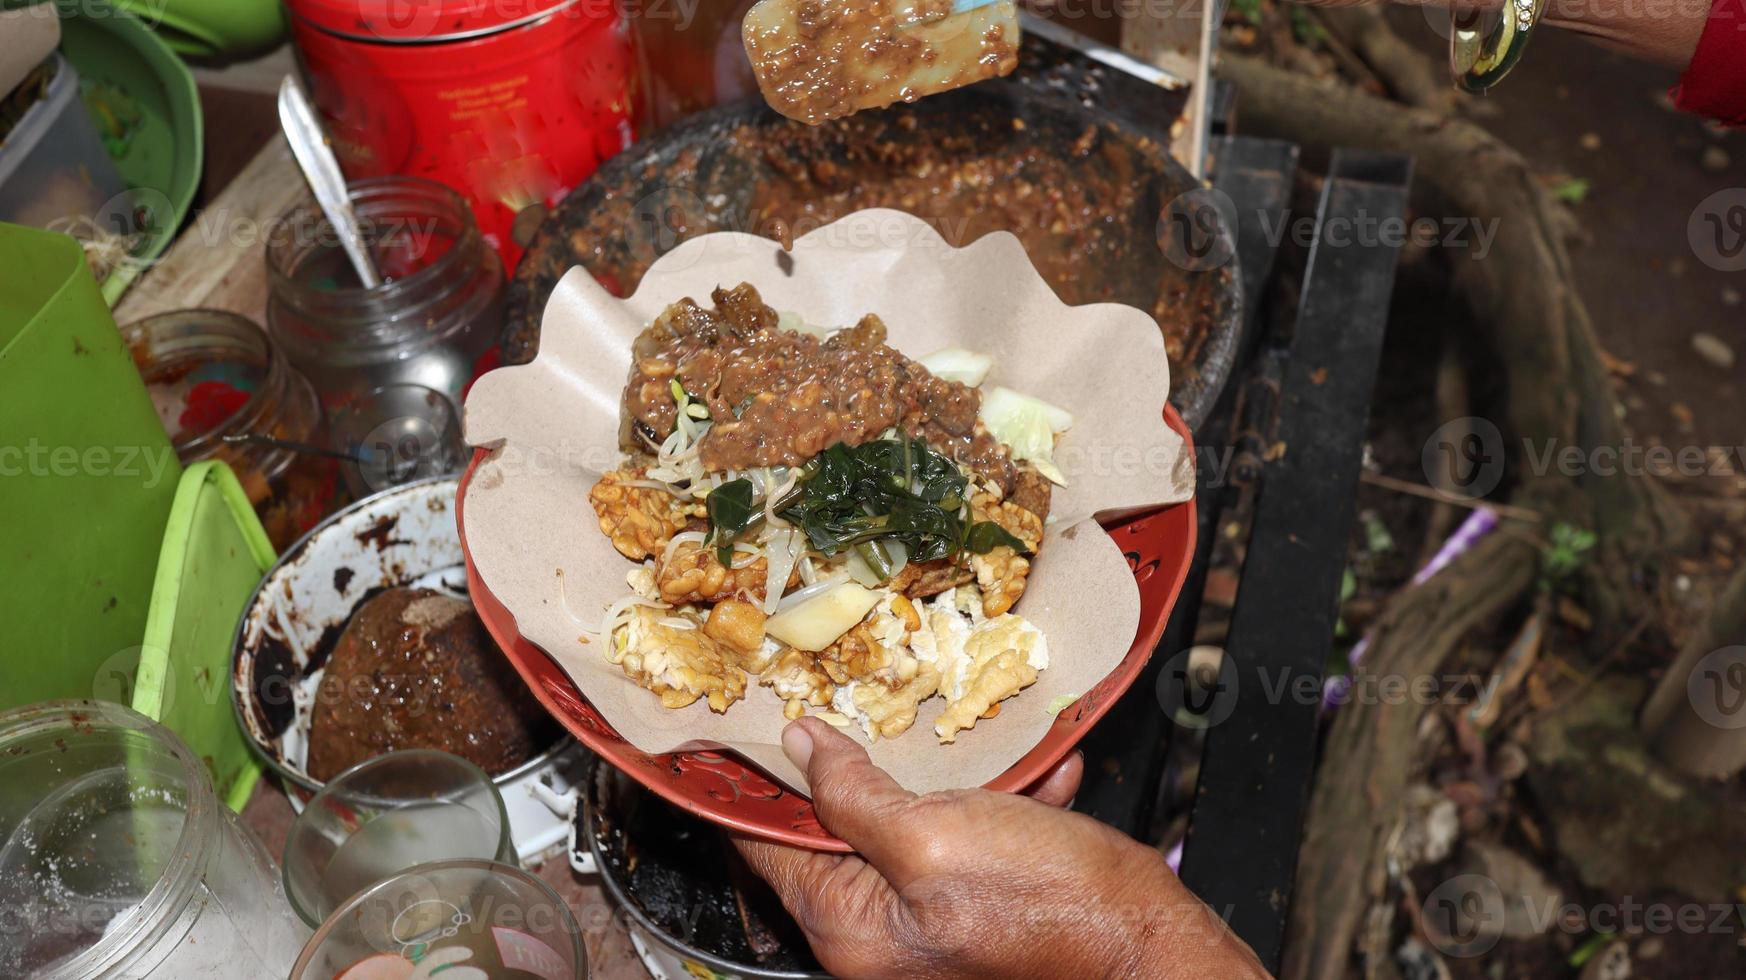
column 415, row 669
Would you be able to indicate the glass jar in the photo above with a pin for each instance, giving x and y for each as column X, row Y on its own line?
column 117, row 860
column 215, row 379
column 431, row 322
column 689, row 58
column 449, row 918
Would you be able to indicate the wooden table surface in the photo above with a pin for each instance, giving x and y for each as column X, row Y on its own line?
column 219, row 262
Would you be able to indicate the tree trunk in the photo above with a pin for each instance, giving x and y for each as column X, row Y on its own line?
column 1519, row 286
column 1369, row 757
column 1696, row 719
column 1522, row 295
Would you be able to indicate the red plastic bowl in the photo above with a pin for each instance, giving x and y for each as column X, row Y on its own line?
column 723, row 788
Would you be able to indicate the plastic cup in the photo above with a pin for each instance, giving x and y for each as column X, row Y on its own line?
column 459, row 920
column 381, row 817
column 117, row 860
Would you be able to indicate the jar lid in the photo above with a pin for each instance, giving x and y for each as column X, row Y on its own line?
column 424, row 21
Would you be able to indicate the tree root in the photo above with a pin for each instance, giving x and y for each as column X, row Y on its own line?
column 1452, row 403
column 1406, row 74
column 1372, row 748
column 1524, row 301
column 1684, row 738
column 1522, row 295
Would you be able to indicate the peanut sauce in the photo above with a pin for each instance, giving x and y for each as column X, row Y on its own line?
column 818, row 60
column 780, row 397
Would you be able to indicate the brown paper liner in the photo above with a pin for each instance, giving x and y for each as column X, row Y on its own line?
column 553, row 428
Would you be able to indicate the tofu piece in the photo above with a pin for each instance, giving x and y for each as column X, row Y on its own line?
column 817, row 622
column 798, row 680
column 998, row 658
column 739, row 626
column 680, row 665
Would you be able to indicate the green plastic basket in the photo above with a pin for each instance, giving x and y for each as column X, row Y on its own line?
column 87, row 477
column 215, row 552
column 213, row 30
column 144, row 98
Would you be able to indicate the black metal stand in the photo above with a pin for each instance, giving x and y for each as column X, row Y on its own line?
column 1289, row 429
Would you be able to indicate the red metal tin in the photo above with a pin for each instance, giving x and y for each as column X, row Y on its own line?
column 510, row 102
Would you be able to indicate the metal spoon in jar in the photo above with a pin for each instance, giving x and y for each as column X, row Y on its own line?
column 250, row 439
column 309, row 145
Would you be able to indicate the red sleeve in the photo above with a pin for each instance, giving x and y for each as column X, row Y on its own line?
column 1715, row 83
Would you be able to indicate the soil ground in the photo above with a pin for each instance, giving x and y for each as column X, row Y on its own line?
column 1578, row 111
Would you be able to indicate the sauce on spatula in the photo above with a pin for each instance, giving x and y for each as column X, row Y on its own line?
column 817, row 60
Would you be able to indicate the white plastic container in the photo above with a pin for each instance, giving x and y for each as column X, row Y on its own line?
column 53, row 167
column 118, row 861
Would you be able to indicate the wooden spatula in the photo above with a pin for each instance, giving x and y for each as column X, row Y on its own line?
column 817, row 60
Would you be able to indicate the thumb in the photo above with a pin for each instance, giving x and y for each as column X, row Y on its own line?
column 855, row 799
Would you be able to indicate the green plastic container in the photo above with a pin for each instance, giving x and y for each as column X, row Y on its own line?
column 144, row 100
column 214, row 554
column 214, row 30
column 87, row 477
